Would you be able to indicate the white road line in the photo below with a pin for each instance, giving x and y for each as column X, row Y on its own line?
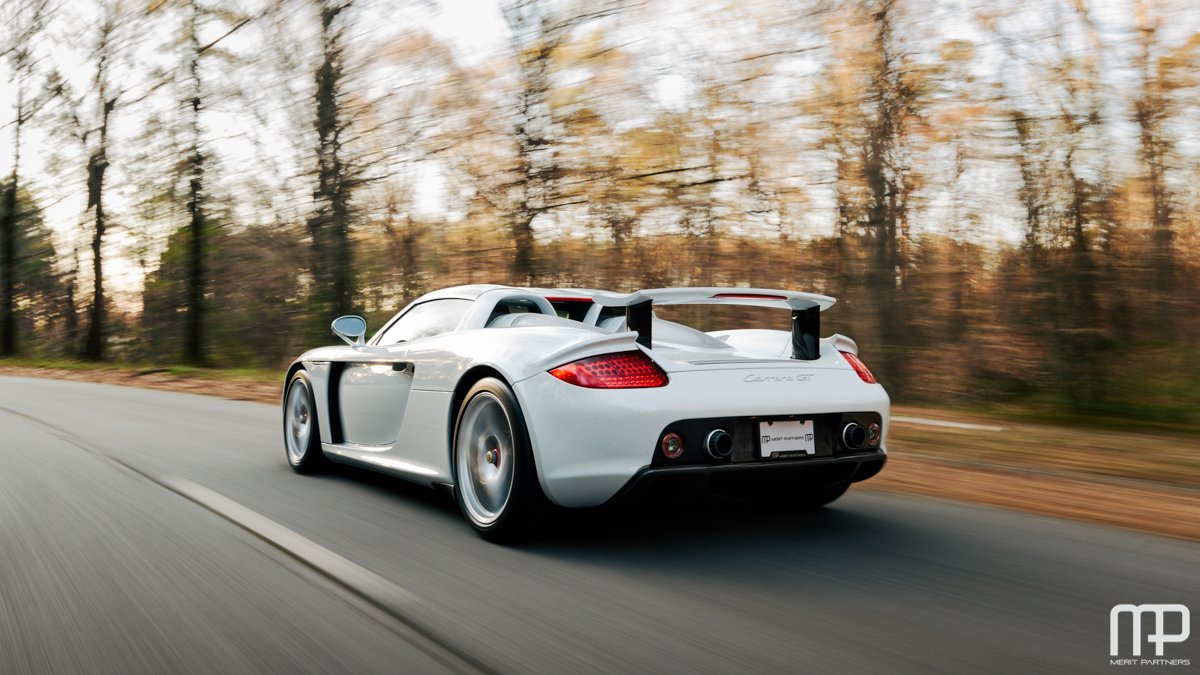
column 359, row 580
column 922, row 421
column 350, row 574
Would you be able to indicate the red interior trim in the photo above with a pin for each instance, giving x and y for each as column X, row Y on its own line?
column 749, row 296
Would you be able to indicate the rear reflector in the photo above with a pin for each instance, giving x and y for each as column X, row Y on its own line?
column 672, row 445
column 859, row 367
column 623, row 370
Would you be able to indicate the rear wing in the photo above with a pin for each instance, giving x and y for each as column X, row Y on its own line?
column 806, row 309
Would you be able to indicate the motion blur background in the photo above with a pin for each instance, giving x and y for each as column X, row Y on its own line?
column 1002, row 195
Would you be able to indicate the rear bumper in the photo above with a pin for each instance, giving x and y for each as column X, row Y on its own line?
column 751, row 478
column 588, row 444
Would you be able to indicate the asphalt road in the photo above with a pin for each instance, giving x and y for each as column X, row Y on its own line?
column 146, row 531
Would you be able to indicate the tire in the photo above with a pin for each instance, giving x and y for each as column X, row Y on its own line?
column 496, row 483
column 301, row 433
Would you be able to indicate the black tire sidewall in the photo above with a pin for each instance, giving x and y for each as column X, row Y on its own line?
column 314, row 457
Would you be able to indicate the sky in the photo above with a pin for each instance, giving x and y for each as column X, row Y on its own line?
column 474, row 27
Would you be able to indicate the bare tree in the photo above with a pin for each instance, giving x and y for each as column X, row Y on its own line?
column 329, row 224
column 105, row 101
column 196, row 162
column 1153, row 110
column 888, row 176
column 193, row 336
column 88, row 115
column 537, row 30
column 88, row 120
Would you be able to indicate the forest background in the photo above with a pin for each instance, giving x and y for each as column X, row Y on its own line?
column 1003, row 196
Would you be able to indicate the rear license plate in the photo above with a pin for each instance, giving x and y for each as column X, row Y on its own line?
column 787, row 438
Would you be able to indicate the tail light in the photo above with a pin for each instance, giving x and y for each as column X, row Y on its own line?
column 623, row 370
column 859, row 367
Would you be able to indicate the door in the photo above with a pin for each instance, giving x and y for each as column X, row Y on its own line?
column 373, row 393
column 371, row 399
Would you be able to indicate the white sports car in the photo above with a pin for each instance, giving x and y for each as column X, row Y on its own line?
column 511, row 397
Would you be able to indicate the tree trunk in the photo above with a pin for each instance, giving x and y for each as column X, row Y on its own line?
column 8, row 245
column 193, row 341
column 72, row 311
column 522, row 233
column 194, row 335
column 8, row 239
column 522, row 218
column 93, row 349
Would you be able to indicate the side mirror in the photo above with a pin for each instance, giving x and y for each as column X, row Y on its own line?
column 350, row 328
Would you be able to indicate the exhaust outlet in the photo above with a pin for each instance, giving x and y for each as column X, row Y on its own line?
column 853, row 436
column 719, row 443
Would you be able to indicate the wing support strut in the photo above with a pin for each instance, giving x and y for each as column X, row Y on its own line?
column 639, row 317
column 806, row 333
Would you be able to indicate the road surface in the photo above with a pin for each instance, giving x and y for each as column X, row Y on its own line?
column 149, row 531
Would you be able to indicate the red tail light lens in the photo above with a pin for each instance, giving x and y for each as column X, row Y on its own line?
column 623, row 370
column 859, row 367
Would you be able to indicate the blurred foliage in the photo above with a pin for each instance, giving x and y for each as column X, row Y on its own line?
column 38, row 285
column 1001, row 197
